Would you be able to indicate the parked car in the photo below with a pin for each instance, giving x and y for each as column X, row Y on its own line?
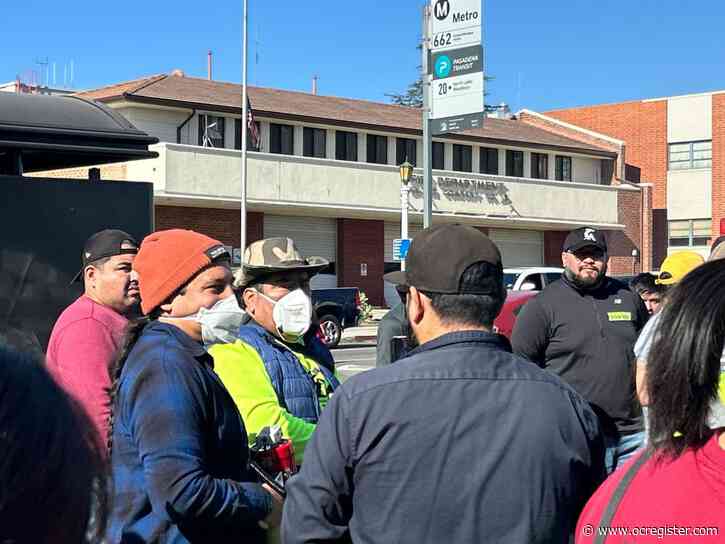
column 530, row 278
column 336, row 310
column 515, row 300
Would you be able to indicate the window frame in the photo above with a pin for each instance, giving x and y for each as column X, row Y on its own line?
column 281, row 128
column 441, row 163
column 238, row 136
column 403, row 147
column 539, row 165
column 221, row 129
column 348, row 151
column 511, row 161
column 689, row 162
column 311, row 144
column 692, row 239
column 559, row 170
column 486, row 152
column 377, row 149
column 462, row 158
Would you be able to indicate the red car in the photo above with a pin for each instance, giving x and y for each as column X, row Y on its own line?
column 515, row 300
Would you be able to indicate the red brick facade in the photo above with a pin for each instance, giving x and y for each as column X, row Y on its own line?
column 222, row 225
column 643, row 128
column 718, row 162
column 359, row 242
column 553, row 242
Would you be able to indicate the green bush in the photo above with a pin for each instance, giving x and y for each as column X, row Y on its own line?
column 365, row 311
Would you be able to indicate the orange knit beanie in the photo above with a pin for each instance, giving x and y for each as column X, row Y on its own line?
column 168, row 260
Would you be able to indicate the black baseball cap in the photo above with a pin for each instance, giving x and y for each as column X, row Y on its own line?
column 583, row 237
column 438, row 257
column 105, row 243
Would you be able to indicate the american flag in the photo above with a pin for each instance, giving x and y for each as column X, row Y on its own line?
column 252, row 133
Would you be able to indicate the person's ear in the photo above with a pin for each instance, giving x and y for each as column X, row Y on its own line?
column 416, row 310
column 248, row 296
column 563, row 258
column 90, row 273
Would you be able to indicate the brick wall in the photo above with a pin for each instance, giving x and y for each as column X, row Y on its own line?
column 643, row 128
column 359, row 242
column 553, row 242
column 718, row 162
column 621, row 243
column 111, row 172
column 222, row 225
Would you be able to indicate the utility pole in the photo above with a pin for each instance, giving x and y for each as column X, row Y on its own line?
column 245, row 128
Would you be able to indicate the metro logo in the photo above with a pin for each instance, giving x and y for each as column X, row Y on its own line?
column 441, row 9
column 467, row 16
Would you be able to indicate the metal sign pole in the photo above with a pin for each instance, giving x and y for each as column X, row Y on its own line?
column 427, row 142
column 245, row 128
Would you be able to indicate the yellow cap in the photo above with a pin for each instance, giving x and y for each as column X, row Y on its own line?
column 677, row 266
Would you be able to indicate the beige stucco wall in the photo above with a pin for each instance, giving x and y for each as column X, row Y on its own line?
column 689, row 118
column 689, row 194
column 192, row 171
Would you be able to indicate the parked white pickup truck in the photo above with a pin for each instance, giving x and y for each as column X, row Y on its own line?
column 530, row 278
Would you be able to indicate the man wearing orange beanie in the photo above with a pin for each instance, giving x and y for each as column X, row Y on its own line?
column 179, row 449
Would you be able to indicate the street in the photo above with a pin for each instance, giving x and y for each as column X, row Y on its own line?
column 353, row 360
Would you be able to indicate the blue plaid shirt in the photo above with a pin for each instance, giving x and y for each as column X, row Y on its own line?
column 180, row 454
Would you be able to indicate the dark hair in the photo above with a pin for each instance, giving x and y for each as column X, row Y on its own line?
column 53, row 485
column 683, row 371
column 476, row 310
column 643, row 283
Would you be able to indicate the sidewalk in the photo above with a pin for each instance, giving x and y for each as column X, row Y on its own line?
column 365, row 334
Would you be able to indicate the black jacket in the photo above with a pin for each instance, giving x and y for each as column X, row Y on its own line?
column 587, row 338
column 461, row 441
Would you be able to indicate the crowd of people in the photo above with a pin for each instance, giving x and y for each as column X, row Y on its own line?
column 605, row 411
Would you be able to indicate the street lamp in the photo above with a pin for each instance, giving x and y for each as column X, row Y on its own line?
column 406, row 172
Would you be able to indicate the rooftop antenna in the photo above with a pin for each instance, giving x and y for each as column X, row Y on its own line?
column 43, row 70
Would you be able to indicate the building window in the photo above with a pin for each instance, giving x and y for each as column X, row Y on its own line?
column 377, row 149
column 689, row 232
column 540, row 166
column 345, row 146
column 211, row 131
column 514, row 163
column 405, row 150
column 439, row 155
column 488, row 160
column 563, row 168
column 314, row 142
column 462, row 158
column 281, row 139
column 688, row 155
column 238, row 136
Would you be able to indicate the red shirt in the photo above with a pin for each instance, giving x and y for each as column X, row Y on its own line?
column 671, row 501
column 83, row 344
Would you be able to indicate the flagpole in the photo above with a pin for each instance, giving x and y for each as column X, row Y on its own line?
column 245, row 128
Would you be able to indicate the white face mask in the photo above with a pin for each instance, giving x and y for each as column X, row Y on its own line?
column 220, row 323
column 292, row 314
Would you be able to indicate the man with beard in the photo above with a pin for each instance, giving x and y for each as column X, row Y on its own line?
column 89, row 332
column 583, row 328
column 458, row 441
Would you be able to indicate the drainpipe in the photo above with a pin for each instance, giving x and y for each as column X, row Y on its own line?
column 182, row 125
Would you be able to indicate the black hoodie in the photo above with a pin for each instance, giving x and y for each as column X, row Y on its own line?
column 587, row 336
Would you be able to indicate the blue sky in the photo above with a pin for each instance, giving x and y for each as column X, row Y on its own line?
column 543, row 55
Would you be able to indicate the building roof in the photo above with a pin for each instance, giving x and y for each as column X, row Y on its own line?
column 190, row 92
column 50, row 132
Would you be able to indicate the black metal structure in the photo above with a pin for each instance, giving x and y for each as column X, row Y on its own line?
column 45, row 222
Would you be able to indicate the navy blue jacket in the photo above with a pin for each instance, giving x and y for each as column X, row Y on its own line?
column 180, row 453
column 295, row 388
column 461, row 441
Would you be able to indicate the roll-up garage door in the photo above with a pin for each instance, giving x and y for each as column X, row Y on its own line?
column 519, row 247
column 313, row 236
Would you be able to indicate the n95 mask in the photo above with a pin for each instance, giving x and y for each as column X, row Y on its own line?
column 292, row 314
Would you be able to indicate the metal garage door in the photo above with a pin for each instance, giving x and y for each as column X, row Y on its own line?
column 313, row 236
column 519, row 247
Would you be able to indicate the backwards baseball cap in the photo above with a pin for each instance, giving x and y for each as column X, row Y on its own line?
column 677, row 266
column 169, row 259
column 106, row 243
column 583, row 237
column 717, row 249
column 438, row 257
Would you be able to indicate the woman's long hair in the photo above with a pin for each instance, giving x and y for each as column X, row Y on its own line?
column 683, row 370
column 133, row 332
column 53, row 472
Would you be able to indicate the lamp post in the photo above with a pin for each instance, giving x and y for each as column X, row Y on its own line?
column 406, row 171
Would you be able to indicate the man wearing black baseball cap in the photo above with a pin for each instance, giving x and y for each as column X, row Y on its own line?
column 88, row 333
column 583, row 328
column 432, row 448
